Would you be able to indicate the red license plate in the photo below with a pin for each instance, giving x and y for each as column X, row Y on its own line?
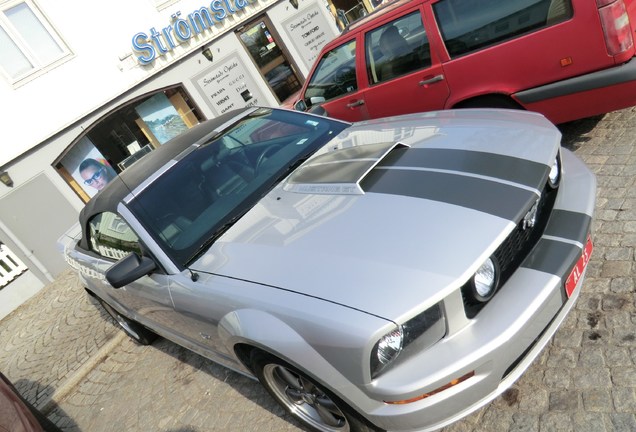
column 577, row 271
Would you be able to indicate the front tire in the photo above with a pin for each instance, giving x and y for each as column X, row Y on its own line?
column 310, row 403
column 133, row 329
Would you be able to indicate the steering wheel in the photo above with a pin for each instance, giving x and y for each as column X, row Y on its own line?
column 241, row 168
column 344, row 76
column 265, row 154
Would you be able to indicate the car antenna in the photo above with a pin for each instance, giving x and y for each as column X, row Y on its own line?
column 193, row 276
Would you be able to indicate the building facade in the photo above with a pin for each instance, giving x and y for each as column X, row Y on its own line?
column 86, row 93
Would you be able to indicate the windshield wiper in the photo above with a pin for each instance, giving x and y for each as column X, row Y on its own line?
column 206, row 244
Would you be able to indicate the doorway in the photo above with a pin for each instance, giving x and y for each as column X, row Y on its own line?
column 270, row 57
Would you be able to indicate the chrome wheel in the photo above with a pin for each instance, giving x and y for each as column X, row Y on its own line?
column 136, row 331
column 123, row 323
column 304, row 399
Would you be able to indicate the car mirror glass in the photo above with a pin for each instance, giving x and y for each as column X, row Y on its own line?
column 300, row 105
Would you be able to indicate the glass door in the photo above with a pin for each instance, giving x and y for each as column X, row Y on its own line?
column 271, row 58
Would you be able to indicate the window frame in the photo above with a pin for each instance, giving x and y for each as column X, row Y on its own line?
column 16, row 37
column 163, row 4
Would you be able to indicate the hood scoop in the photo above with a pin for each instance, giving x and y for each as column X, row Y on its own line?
column 339, row 171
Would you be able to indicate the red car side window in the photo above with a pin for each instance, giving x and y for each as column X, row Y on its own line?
column 335, row 75
column 397, row 48
column 469, row 25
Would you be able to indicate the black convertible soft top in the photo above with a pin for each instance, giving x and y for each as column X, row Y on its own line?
column 119, row 187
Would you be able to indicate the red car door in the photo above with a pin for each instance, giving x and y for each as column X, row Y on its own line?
column 404, row 74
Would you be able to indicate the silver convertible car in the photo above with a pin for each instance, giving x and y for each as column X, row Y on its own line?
column 395, row 274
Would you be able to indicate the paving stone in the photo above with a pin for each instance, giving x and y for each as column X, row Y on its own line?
column 623, row 422
column 622, row 285
column 592, row 358
column 589, row 422
column 624, row 399
column 597, row 400
column 524, row 423
column 616, row 268
column 556, row 422
column 564, row 400
column 618, row 356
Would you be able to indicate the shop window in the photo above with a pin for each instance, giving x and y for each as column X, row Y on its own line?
column 123, row 137
column 28, row 43
column 271, row 58
column 111, row 237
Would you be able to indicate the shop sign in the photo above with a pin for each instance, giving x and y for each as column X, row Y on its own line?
column 157, row 43
column 309, row 31
column 228, row 85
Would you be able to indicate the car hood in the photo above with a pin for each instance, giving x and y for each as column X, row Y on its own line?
column 393, row 215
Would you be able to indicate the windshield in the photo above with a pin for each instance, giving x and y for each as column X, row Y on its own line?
column 197, row 199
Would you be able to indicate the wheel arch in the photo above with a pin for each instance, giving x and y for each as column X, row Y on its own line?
column 489, row 100
column 246, row 330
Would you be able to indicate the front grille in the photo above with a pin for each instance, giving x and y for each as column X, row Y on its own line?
column 515, row 248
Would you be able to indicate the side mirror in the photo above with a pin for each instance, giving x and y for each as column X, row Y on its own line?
column 129, row 269
column 319, row 110
column 300, row 105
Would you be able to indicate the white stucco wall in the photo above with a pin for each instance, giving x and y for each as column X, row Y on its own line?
column 97, row 37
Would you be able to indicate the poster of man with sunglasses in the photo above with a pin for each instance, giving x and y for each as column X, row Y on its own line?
column 95, row 173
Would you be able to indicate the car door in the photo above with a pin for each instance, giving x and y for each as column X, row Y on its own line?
column 110, row 239
column 403, row 74
column 334, row 86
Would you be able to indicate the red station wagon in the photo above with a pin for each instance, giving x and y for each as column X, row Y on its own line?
column 567, row 59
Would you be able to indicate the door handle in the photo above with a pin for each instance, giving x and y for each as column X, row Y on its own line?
column 432, row 80
column 356, row 103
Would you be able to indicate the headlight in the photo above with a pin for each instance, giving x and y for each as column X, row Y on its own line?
column 555, row 173
column 484, row 282
column 386, row 350
column 418, row 333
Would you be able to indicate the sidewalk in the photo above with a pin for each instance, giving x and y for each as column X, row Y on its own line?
column 48, row 338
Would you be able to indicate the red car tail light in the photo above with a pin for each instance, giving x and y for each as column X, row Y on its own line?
column 615, row 22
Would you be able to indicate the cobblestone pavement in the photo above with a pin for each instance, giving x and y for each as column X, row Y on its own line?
column 67, row 357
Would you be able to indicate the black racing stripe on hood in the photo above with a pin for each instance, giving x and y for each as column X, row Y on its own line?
column 553, row 257
column 522, row 171
column 569, row 225
column 498, row 199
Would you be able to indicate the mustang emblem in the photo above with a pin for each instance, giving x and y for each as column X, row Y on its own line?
column 530, row 219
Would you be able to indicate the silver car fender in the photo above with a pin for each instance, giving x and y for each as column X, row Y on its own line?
column 269, row 333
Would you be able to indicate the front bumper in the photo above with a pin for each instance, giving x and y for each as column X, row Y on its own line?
column 501, row 342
